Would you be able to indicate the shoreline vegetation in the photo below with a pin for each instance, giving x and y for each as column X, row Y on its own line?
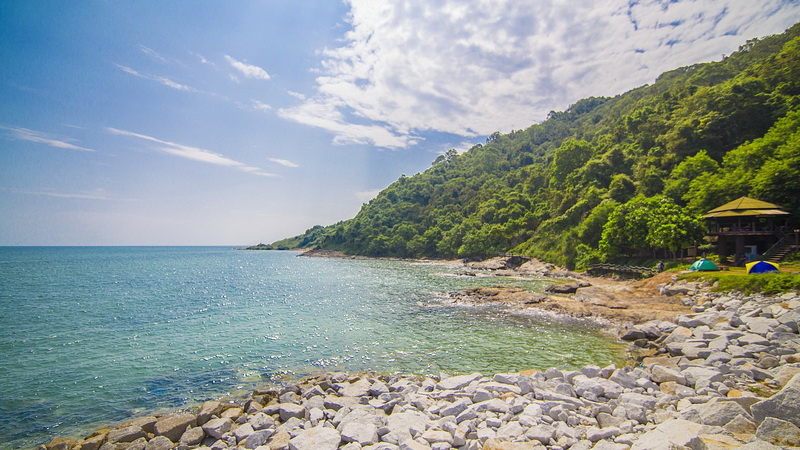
column 705, row 370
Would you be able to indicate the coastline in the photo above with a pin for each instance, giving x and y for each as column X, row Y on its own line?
column 676, row 378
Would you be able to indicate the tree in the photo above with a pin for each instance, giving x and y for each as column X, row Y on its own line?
column 649, row 224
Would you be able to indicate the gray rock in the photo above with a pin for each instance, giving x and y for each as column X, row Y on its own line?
column 541, row 433
column 606, row 420
column 606, row 445
column 207, row 410
column 361, row 415
column 259, row 421
column 316, row 438
column 336, row 403
column 313, row 391
column 720, row 413
column 785, row 405
column 552, row 373
column 741, row 425
column 752, row 339
column 679, row 334
column 217, row 427
column 363, row 433
column 760, row 325
column 172, row 426
column 718, row 357
column 494, row 405
column 455, row 408
column 623, row 378
column 458, row 382
column 138, row 444
column 414, row 445
column 697, row 320
column 289, row 410
column 510, row 431
column 661, row 374
column 404, row 425
column 695, row 373
column 501, row 388
column 671, row 434
column 280, row 440
column 241, row 432
column 127, row 434
column 596, row 434
column 257, row 439
column 779, row 432
column 378, row 388
column 359, row 388
column 633, row 398
column 159, row 443
column 434, row 436
column 192, row 436
column 315, row 415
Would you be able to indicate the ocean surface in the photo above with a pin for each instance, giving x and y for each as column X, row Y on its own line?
column 91, row 336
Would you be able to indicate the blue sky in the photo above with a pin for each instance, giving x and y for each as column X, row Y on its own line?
column 230, row 123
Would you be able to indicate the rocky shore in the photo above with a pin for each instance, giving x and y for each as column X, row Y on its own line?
column 725, row 375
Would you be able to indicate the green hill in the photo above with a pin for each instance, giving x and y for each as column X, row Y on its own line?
column 608, row 177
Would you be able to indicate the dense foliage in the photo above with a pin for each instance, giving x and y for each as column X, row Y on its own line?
column 608, row 177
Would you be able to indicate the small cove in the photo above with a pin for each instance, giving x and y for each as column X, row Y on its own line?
column 95, row 335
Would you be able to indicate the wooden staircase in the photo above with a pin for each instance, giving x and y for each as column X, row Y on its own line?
column 787, row 244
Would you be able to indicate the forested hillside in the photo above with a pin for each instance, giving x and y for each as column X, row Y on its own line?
column 608, row 177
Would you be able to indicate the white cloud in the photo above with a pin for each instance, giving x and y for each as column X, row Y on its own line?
column 248, row 70
column 193, row 153
column 25, row 134
column 284, row 162
column 296, row 95
column 163, row 80
column 328, row 116
column 474, row 67
column 152, row 53
column 261, row 106
column 96, row 194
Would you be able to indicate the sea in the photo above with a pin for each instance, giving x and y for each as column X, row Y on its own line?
column 91, row 336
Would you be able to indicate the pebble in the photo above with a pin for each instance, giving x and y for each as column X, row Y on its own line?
column 728, row 374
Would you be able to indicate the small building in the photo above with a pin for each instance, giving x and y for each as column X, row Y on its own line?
column 747, row 228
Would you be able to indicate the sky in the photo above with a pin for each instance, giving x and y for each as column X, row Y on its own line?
column 232, row 123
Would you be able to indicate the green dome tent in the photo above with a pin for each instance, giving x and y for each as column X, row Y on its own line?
column 703, row 265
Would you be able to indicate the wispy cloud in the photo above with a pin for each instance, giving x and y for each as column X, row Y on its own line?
column 284, row 162
column 248, row 70
column 163, row 80
column 25, row 134
column 96, row 194
column 470, row 67
column 261, row 106
column 296, row 95
column 327, row 115
column 193, row 153
column 152, row 53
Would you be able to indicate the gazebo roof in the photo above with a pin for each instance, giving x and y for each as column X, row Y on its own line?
column 745, row 206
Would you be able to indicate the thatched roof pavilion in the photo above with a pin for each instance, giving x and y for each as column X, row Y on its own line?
column 753, row 226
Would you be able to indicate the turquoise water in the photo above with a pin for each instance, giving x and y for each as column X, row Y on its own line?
column 94, row 335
